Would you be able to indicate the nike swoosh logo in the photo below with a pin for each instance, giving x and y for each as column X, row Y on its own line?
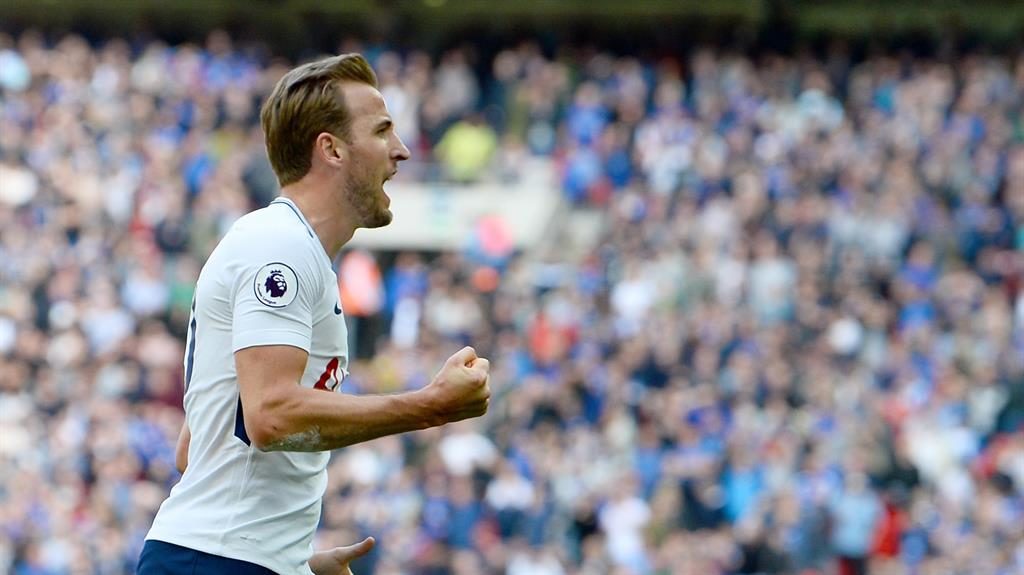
column 337, row 309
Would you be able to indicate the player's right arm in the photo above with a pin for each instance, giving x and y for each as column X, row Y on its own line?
column 281, row 415
column 277, row 288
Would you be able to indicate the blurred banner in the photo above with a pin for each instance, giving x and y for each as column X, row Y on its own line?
column 440, row 216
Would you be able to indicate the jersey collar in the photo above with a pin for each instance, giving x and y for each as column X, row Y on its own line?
column 298, row 213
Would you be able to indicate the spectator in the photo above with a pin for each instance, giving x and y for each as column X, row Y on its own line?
column 856, row 512
column 466, row 149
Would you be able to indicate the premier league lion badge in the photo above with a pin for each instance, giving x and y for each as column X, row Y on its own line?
column 275, row 285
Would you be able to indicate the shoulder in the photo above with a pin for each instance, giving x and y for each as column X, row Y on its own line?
column 269, row 248
column 271, row 225
column 269, row 232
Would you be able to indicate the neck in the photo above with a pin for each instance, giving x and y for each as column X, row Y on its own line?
column 326, row 216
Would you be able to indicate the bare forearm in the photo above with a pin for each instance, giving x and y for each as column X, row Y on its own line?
column 281, row 415
column 313, row 420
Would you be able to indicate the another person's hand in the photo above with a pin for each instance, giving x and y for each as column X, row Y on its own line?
column 462, row 388
column 335, row 561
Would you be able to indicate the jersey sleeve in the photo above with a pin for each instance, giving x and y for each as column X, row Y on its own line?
column 275, row 295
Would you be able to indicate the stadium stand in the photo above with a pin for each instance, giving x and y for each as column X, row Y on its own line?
column 792, row 340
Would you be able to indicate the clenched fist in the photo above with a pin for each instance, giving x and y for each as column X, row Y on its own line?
column 462, row 388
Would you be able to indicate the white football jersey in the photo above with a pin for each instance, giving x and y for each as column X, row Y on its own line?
column 268, row 282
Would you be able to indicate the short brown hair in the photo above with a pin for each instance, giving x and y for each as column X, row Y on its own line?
column 304, row 103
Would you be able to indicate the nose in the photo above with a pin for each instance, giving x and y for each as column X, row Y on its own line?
column 399, row 152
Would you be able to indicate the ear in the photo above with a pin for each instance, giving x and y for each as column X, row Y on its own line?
column 329, row 148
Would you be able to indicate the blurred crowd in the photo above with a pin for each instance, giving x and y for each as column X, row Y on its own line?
column 796, row 347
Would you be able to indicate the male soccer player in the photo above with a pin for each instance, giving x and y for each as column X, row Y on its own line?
column 266, row 349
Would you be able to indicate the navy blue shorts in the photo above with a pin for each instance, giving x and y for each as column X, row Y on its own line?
column 160, row 558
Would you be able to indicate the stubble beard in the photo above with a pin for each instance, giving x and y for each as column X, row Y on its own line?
column 370, row 210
